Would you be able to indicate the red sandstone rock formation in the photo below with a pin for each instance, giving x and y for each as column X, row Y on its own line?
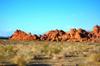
column 43, row 37
column 82, row 35
column 21, row 35
column 76, row 35
column 54, row 35
column 72, row 33
column 79, row 35
column 96, row 31
column 65, row 37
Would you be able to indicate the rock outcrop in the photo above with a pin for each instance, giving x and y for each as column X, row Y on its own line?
column 21, row 35
column 96, row 31
column 54, row 35
column 74, row 34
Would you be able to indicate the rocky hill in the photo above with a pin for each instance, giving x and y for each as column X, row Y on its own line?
column 77, row 35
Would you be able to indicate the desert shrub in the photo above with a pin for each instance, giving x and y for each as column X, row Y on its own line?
column 52, row 49
column 23, row 55
column 6, row 52
column 76, row 49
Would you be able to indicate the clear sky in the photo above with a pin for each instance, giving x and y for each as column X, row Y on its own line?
column 40, row 16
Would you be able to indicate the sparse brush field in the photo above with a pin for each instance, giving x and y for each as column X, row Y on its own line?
column 29, row 53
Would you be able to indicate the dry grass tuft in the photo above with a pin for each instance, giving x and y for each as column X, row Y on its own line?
column 94, row 58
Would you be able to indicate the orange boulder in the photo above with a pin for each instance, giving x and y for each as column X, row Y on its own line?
column 54, row 35
column 96, row 31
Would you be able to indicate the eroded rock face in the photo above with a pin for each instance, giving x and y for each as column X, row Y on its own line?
column 43, row 37
column 65, row 37
column 79, row 35
column 72, row 33
column 21, row 35
column 96, row 31
column 54, row 35
column 76, row 35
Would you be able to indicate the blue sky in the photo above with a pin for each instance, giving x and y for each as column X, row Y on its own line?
column 40, row 16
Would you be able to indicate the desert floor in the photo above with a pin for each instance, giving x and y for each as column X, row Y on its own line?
column 46, row 53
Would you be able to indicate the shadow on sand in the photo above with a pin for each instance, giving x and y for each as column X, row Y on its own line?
column 38, row 65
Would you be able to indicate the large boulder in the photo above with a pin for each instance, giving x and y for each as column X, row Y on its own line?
column 82, row 35
column 54, row 35
column 65, row 37
column 72, row 33
column 96, row 31
column 21, row 35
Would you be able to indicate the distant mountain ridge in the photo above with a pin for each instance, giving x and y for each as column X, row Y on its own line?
column 2, row 37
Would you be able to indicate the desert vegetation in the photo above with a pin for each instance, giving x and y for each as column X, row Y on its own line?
column 53, row 53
